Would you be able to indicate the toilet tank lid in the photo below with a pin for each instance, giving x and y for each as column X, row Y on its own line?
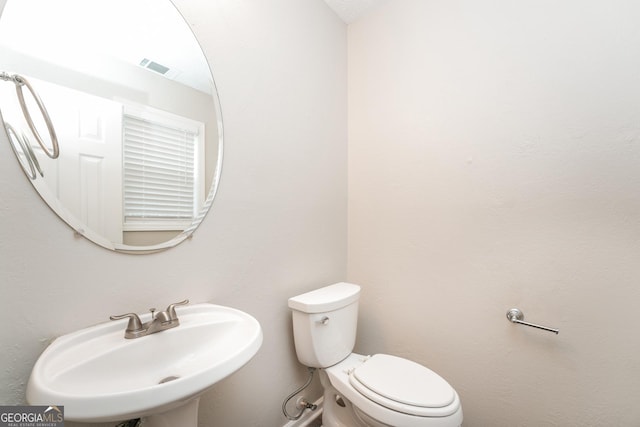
column 326, row 299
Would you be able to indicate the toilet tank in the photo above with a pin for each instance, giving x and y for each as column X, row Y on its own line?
column 325, row 323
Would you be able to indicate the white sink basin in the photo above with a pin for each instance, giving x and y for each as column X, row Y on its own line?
column 98, row 375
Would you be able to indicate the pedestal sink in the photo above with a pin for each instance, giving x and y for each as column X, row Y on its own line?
column 99, row 376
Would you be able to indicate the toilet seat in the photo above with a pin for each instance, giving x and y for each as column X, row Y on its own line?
column 385, row 410
column 404, row 386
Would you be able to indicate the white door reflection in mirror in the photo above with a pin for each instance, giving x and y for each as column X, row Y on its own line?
column 86, row 175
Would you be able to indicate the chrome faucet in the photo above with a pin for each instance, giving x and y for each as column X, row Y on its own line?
column 159, row 322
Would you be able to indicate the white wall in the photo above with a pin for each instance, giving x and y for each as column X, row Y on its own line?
column 277, row 227
column 494, row 162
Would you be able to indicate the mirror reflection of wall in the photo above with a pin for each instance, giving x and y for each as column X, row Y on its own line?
column 134, row 105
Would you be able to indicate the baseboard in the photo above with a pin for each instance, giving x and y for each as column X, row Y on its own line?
column 308, row 417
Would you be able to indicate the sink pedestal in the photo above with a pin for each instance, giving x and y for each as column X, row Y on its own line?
column 183, row 416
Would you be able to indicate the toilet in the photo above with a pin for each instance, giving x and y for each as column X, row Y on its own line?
column 361, row 390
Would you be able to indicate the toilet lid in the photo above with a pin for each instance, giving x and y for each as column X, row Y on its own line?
column 402, row 381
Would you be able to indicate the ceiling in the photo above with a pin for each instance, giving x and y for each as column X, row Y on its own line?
column 351, row 10
column 148, row 30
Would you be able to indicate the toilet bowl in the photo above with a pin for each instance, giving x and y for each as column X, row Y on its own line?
column 365, row 391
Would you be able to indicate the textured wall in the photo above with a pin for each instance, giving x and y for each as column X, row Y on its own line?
column 277, row 228
column 494, row 162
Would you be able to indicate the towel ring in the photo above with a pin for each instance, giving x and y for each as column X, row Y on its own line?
column 22, row 81
column 32, row 155
column 28, row 164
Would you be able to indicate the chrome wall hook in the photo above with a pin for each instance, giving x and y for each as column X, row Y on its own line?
column 516, row 316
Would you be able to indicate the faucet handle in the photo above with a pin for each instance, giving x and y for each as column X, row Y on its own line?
column 134, row 324
column 171, row 310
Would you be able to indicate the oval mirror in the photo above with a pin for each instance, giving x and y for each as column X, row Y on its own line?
column 135, row 111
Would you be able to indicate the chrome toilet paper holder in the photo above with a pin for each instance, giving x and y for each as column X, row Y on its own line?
column 516, row 316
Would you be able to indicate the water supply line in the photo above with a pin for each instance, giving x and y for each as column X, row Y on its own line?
column 301, row 403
